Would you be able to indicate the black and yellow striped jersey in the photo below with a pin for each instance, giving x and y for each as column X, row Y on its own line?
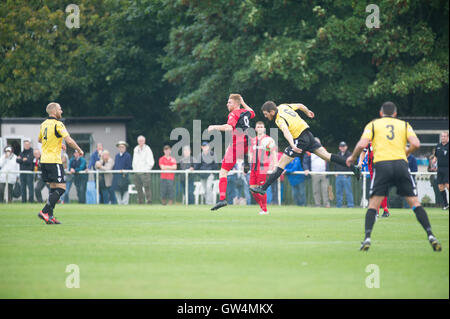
column 288, row 117
column 51, row 134
column 389, row 136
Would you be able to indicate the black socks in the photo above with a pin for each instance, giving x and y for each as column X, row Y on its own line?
column 444, row 198
column 55, row 194
column 272, row 177
column 370, row 221
column 422, row 217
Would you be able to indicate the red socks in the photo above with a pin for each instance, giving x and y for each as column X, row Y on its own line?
column 384, row 204
column 261, row 200
column 223, row 188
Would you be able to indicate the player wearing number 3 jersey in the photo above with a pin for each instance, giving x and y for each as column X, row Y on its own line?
column 389, row 136
column 238, row 123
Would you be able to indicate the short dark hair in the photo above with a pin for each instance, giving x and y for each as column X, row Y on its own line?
column 388, row 108
column 269, row 106
column 166, row 147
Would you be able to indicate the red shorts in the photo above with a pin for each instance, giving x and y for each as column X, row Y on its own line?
column 236, row 150
column 257, row 178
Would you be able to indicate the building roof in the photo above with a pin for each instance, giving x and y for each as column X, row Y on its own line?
column 68, row 120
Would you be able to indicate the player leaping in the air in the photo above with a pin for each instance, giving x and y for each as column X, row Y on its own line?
column 238, row 123
column 389, row 136
column 297, row 133
column 263, row 157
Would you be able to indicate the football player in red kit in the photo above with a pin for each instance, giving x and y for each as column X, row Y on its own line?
column 367, row 156
column 263, row 159
column 238, row 123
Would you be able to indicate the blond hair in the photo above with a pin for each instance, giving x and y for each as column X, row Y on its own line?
column 235, row 97
column 51, row 107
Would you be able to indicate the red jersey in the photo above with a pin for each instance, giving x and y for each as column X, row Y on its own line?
column 260, row 154
column 240, row 119
column 169, row 162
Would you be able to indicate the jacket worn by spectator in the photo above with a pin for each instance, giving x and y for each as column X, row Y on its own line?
column 205, row 162
column 143, row 159
column 340, row 168
column 95, row 157
column 106, row 166
column 28, row 164
column 77, row 164
column 121, row 162
column 6, row 165
column 295, row 166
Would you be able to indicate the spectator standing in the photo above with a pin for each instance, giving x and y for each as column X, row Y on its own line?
column 69, row 177
column 8, row 163
column 432, row 167
column 25, row 160
column 120, row 180
column 343, row 182
column 77, row 165
column 40, row 184
column 96, row 156
column 106, row 163
column 167, row 162
column 143, row 160
column 297, row 181
column 187, row 163
column 206, row 161
column 441, row 157
column 314, row 163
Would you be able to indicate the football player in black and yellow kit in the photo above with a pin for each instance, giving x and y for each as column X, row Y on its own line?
column 389, row 137
column 51, row 134
column 300, row 139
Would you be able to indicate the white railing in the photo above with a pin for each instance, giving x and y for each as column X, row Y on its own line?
column 193, row 172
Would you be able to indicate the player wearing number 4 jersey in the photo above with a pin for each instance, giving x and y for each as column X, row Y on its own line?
column 51, row 134
column 238, row 123
column 297, row 133
column 389, row 136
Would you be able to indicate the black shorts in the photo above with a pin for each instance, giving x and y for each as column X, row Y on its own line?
column 442, row 175
column 306, row 142
column 53, row 173
column 392, row 173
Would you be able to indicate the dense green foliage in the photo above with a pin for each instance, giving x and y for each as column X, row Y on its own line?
column 188, row 252
column 167, row 62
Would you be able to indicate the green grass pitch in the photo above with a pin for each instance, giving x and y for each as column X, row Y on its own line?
column 190, row 252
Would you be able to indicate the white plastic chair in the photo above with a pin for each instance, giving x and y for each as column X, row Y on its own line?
column 199, row 193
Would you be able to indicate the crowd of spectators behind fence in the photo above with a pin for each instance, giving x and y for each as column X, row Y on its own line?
column 115, row 188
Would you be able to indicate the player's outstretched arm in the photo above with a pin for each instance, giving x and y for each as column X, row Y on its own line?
column 223, row 127
column 362, row 144
column 244, row 105
column 290, row 139
column 71, row 142
column 304, row 109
